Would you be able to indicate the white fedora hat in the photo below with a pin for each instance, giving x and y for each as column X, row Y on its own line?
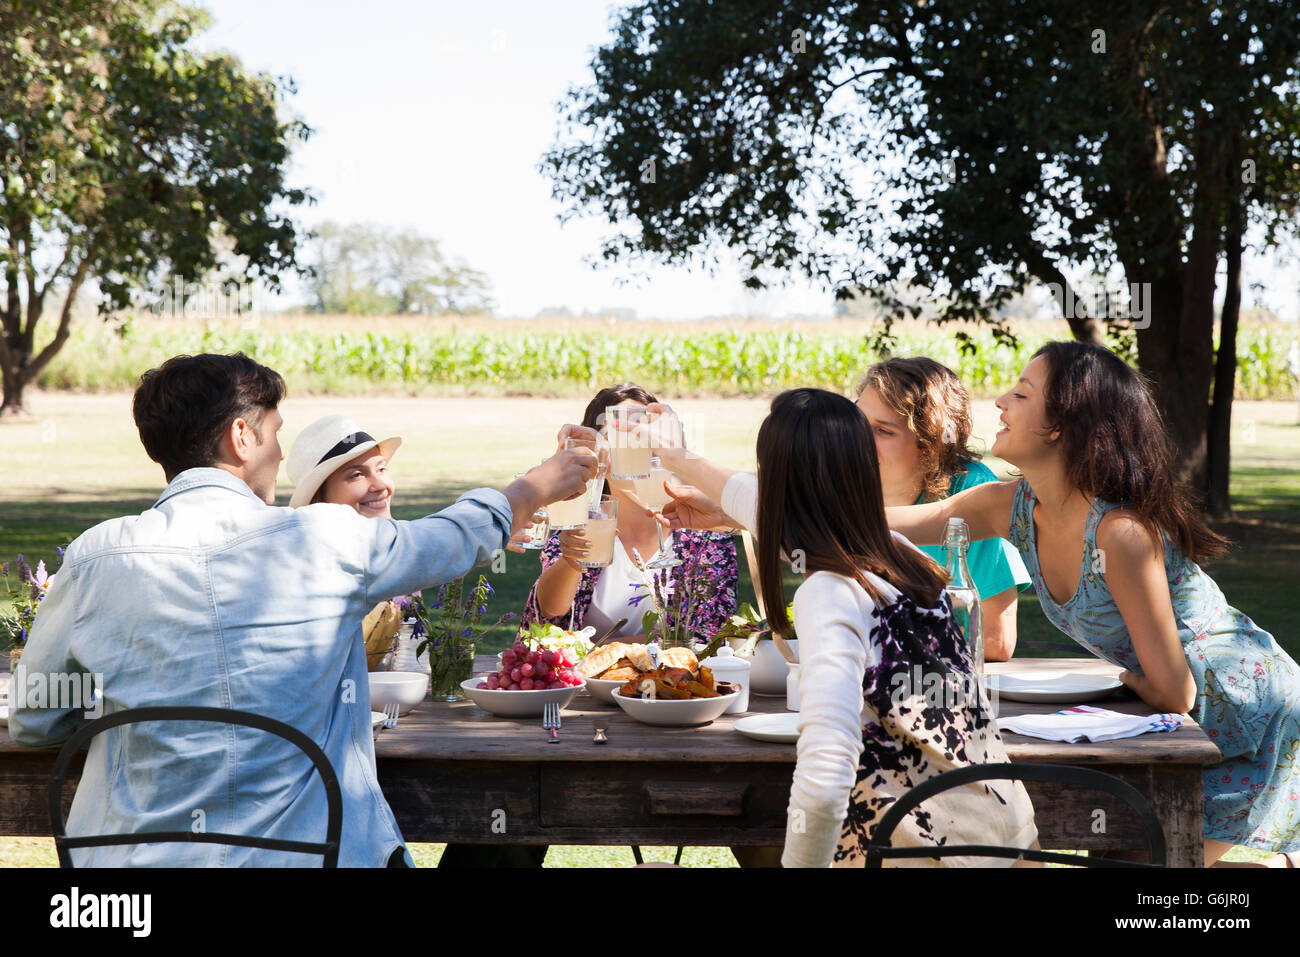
column 325, row 445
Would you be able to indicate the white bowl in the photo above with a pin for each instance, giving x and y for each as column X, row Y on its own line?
column 376, row 722
column 403, row 688
column 675, row 714
column 516, row 704
column 602, row 689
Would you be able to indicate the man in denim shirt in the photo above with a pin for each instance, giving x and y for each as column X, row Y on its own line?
column 216, row 598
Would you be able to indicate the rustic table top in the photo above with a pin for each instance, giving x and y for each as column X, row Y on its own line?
column 464, row 732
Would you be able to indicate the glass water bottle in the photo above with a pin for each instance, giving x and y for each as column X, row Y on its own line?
column 962, row 592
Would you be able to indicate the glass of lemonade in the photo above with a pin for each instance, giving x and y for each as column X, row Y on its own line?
column 569, row 513
column 601, row 523
column 629, row 449
column 650, row 490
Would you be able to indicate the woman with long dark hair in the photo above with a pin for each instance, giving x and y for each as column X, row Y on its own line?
column 1114, row 544
column 888, row 694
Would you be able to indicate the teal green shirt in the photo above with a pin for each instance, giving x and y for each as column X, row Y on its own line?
column 994, row 563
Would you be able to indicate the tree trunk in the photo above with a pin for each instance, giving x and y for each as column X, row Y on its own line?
column 14, row 382
column 1218, row 473
column 1217, row 501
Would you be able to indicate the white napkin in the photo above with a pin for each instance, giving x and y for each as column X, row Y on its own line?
column 1086, row 723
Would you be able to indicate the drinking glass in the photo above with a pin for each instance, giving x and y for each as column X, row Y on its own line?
column 650, row 491
column 595, row 486
column 629, row 447
column 541, row 531
column 601, row 523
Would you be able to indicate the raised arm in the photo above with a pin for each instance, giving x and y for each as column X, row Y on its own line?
column 985, row 508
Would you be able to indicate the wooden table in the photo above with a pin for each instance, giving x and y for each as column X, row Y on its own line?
column 456, row 773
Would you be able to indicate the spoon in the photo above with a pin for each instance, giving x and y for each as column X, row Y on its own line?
column 609, row 634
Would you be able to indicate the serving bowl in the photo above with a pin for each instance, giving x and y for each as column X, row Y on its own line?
column 669, row 713
column 602, row 689
column 403, row 688
column 516, row 704
column 377, row 719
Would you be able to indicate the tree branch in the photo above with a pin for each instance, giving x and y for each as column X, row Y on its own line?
column 1084, row 328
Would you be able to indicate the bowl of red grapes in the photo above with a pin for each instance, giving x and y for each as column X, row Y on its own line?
column 527, row 681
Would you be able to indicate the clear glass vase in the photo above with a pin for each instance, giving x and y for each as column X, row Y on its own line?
column 451, row 661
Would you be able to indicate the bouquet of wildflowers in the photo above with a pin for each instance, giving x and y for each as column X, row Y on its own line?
column 26, row 599
column 675, row 594
column 450, row 626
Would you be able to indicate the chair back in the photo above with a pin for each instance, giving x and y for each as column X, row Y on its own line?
column 329, row 850
column 880, row 846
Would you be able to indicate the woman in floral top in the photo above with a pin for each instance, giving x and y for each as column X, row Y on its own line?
column 568, row 595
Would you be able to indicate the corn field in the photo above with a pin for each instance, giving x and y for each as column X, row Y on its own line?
column 517, row 358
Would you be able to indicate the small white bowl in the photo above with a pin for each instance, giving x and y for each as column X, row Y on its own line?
column 403, row 688
column 376, row 722
column 602, row 689
column 675, row 714
column 516, row 704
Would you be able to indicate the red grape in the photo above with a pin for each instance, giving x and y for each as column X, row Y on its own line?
column 516, row 674
column 527, row 669
column 526, row 684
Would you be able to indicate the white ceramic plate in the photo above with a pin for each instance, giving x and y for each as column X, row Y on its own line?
column 1052, row 687
column 675, row 714
column 516, row 704
column 770, row 727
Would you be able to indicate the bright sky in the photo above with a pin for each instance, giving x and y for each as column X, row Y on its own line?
column 434, row 116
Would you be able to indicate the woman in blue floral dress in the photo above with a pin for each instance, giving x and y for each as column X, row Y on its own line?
column 1084, row 432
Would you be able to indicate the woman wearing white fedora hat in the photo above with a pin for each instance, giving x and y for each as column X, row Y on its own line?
column 334, row 460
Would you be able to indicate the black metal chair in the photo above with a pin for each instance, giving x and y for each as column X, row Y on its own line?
column 329, row 850
column 880, row 846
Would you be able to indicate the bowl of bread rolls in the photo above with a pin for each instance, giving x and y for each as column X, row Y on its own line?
column 675, row 691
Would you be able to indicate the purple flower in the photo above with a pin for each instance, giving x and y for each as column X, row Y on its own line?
column 5, row 569
column 41, row 579
column 466, row 632
column 59, row 549
column 405, row 604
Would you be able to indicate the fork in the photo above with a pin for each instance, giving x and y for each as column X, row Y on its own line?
column 390, row 715
column 551, row 721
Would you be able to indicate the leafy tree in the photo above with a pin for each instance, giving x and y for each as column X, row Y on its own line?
column 967, row 147
column 364, row 269
column 122, row 149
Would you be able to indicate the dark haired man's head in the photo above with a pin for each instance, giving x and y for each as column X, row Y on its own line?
column 213, row 411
